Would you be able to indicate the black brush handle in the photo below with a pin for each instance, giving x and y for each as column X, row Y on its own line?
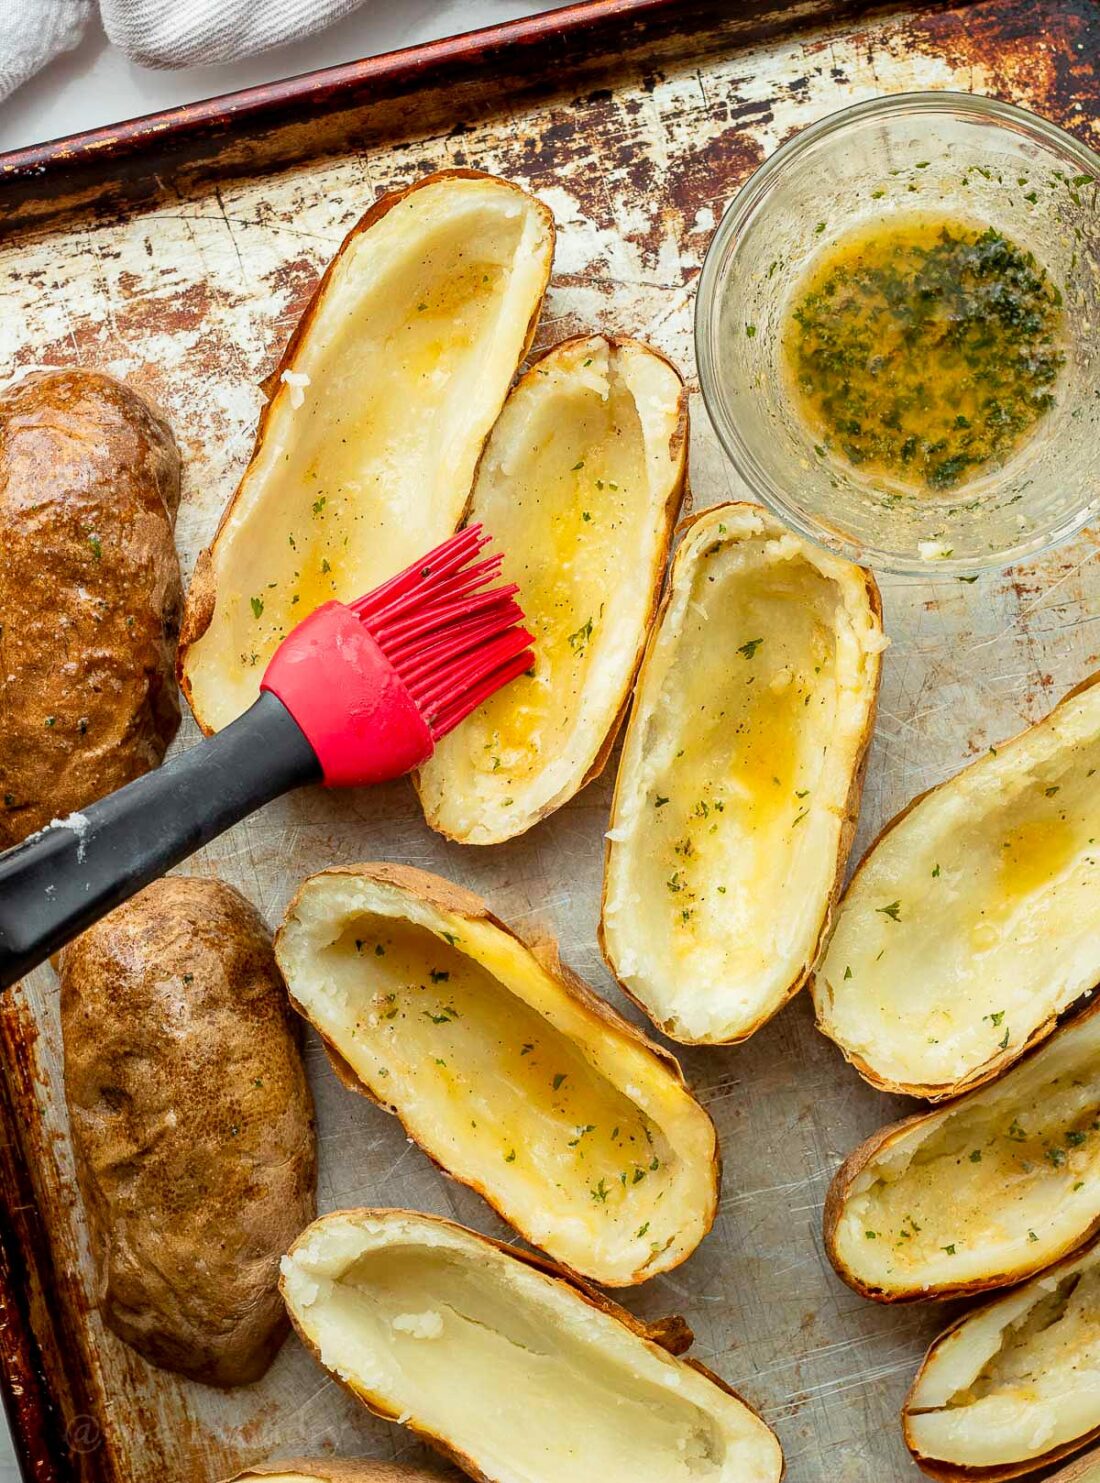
column 61, row 880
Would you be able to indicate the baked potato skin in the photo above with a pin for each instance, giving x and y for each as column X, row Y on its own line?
column 202, row 593
column 1037, row 1468
column 192, row 1125
column 89, row 594
column 673, row 1334
column 849, row 826
column 994, row 1067
column 840, row 1188
column 448, row 896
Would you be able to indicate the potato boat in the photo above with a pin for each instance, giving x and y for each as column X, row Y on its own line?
column 192, row 1125
column 1014, row 1385
column 379, row 408
column 983, row 1192
column 741, row 774
column 505, row 1068
column 580, row 483
column 974, row 921
column 505, row 1366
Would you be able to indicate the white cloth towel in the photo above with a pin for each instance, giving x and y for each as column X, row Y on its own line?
column 33, row 34
column 157, row 33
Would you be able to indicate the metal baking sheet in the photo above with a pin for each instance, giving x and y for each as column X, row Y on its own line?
column 190, row 295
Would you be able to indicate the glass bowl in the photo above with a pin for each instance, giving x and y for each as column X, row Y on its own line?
column 955, row 154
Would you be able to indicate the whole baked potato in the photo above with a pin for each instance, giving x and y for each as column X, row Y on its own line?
column 89, row 594
column 192, row 1125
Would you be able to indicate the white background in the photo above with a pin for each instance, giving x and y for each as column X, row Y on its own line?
column 95, row 85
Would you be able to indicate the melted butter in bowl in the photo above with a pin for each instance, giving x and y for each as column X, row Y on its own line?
column 924, row 351
column 896, row 333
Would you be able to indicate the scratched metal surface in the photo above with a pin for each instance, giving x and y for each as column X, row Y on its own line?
column 192, row 302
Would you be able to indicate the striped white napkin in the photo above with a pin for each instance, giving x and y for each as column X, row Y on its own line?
column 157, row 33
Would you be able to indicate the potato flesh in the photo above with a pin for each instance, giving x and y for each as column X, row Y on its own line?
column 574, row 485
column 1003, row 1183
column 408, row 360
column 724, row 843
column 575, row 1134
column 518, row 1373
column 1019, row 1379
column 993, row 924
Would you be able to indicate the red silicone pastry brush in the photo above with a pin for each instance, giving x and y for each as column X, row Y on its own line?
column 357, row 693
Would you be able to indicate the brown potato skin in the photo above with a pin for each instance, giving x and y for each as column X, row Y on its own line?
column 848, row 828
column 192, row 1125
column 202, row 595
column 860, row 1157
column 89, row 594
column 949, row 1472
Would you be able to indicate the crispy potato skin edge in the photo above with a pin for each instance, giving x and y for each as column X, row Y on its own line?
column 201, row 597
column 990, row 1070
column 678, row 498
column 847, row 831
column 657, row 1334
column 446, row 896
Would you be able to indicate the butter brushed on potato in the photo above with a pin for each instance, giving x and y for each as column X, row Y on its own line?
column 980, row 1193
column 514, row 1372
column 380, row 405
column 580, row 483
column 505, row 1068
column 742, row 768
column 192, row 1125
column 974, row 921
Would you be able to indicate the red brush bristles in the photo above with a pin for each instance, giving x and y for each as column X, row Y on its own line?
column 453, row 639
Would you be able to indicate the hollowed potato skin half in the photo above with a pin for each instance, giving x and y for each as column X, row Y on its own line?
column 192, row 1125
column 982, row 1192
column 89, row 594
column 505, row 1366
column 1012, row 1386
column 739, row 785
column 505, row 1068
column 973, row 921
column 407, row 350
column 579, row 483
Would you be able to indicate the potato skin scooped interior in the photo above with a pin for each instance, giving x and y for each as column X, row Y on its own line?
column 379, row 409
column 973, row 922
column 742, row 768
column 982, row 1192
column 514, row 1372
column 505, row 1068
column 580, row 483
column 1014, row 1385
